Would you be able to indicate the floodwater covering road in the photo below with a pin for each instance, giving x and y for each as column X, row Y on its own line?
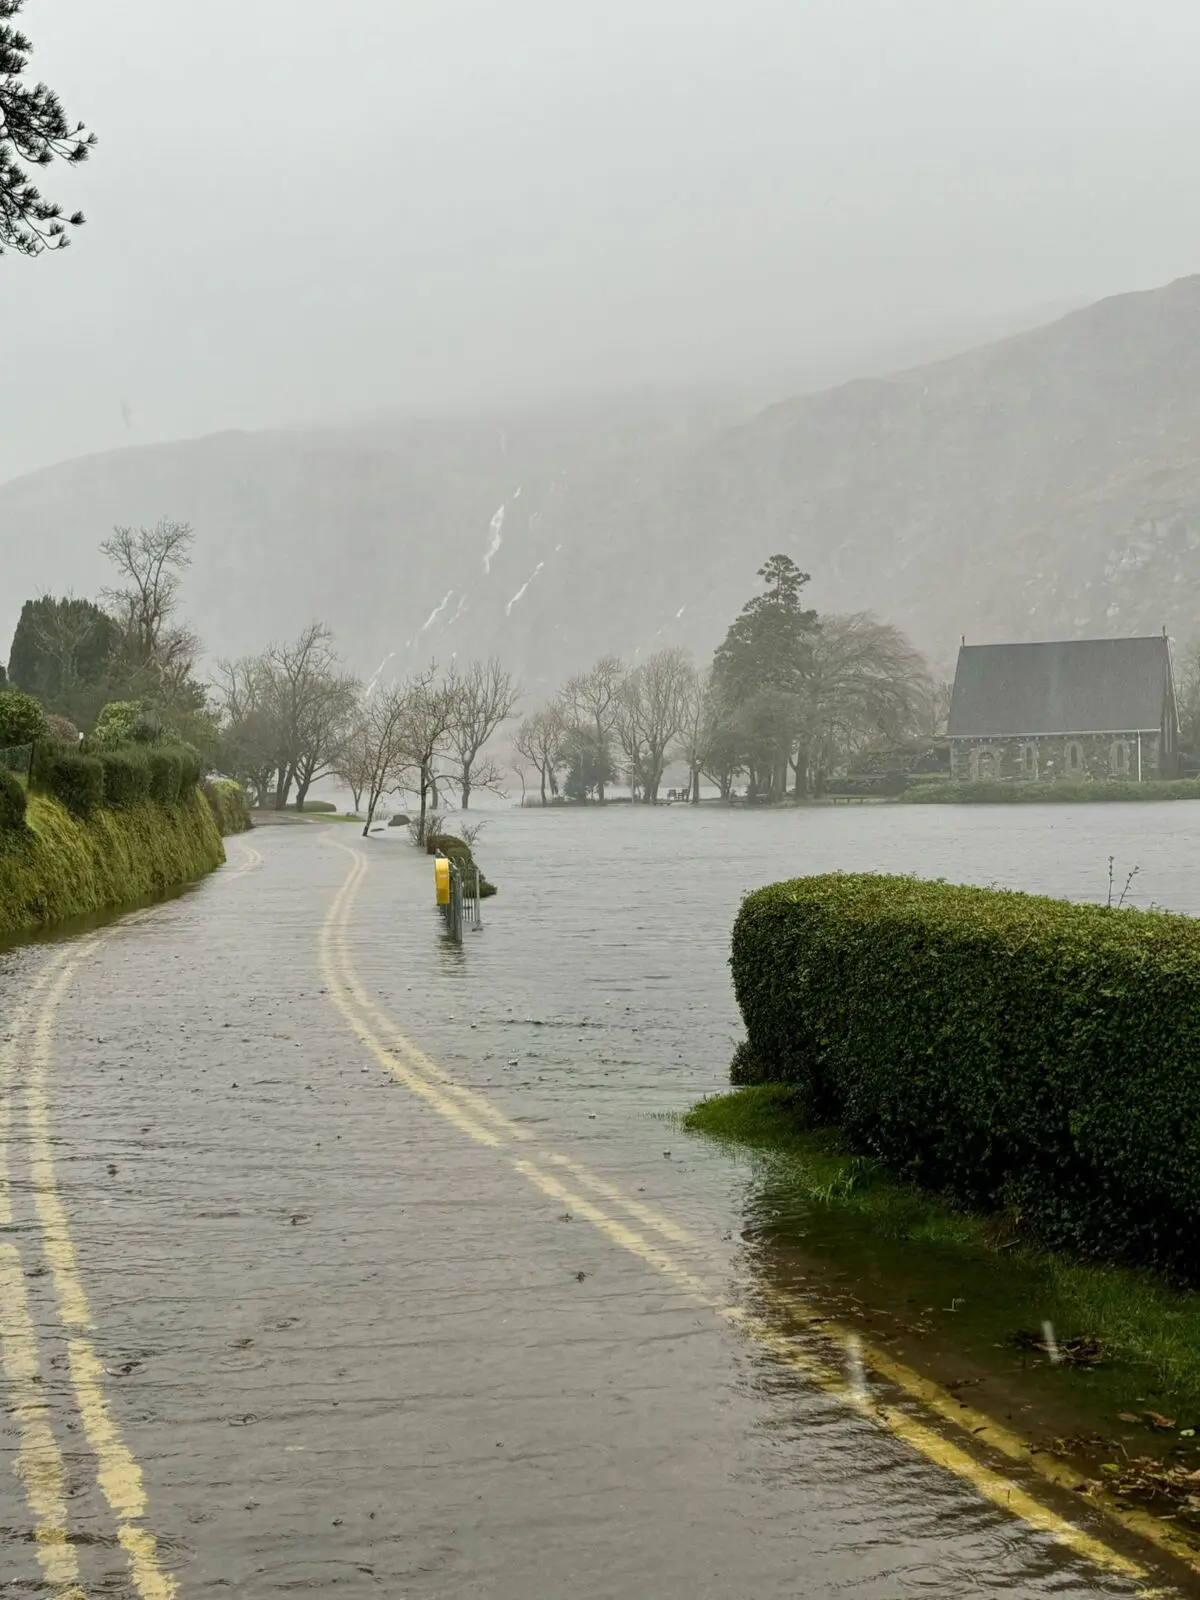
column 335, row 1259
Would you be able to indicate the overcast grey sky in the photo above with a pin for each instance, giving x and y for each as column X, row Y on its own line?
column 302, row 210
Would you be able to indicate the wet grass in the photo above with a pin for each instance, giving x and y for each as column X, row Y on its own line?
column 61, row 867
column 1129, row 1344
column 1060, row 791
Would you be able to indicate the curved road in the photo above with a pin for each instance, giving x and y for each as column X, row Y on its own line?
column 319, row 1272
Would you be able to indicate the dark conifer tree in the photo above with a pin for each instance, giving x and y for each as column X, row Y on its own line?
column 34, row 131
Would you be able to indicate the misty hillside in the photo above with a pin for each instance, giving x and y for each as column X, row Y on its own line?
column 1047, row 484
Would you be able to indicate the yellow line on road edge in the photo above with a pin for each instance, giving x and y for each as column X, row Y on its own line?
column 983, row 1429
column 10, row 1052
column 446, row 1098
column 251, row 858
column 477, row 1105
column 39, row 1461
column 341, row 993
column 118, row 1474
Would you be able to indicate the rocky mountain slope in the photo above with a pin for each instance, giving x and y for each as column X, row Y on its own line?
column 1045, row 485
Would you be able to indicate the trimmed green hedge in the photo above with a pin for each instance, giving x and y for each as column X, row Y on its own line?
column 78, row 781
column 166, row 776
column 12, row 804
column 228, row 803
column 117, row 775
column 1009, row 1050
column 126, row 776
column 1064, row 792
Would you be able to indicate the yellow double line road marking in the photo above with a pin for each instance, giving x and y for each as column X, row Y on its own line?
column 40, row 1462
column 473, row 1114
column 251, row 858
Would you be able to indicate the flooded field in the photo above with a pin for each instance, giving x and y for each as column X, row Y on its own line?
column 397, row 1279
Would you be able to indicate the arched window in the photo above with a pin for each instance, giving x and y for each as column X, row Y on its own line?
column 985, row 764
column 1118, row 758
column 1029, row 761
column 1074, row 758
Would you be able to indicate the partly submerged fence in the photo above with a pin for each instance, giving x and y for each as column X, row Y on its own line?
column 457, row 892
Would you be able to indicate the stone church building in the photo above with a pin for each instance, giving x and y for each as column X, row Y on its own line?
column 1077, row 709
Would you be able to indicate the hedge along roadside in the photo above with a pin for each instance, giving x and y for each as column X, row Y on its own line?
column 1007, row 1049
column 114, row 775
column 13, row 802
column 229, row 805
column 63, row 865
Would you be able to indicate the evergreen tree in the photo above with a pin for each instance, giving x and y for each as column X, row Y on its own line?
column 62, row 652
column 760, row 674
column 769, row 646
column 34, row 131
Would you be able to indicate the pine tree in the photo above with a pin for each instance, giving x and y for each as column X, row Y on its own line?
column 34, row 131
column 769, row 646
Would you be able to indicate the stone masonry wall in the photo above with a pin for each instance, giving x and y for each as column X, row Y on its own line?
column 1087, row 755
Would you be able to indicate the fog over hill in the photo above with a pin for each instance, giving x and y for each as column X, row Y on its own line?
column 1046, row 484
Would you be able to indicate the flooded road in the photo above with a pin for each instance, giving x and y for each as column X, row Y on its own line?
column 338, row 1260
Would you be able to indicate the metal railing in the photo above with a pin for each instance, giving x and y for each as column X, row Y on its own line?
column 459, row 900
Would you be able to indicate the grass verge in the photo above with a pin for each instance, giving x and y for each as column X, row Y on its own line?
column 62, row 867
column 966, row 1293
column 1061, row 792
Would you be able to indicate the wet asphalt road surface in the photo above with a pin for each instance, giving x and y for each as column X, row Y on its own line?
column 353, row 1346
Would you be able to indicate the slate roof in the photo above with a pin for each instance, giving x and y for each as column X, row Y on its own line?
column 1066, row 686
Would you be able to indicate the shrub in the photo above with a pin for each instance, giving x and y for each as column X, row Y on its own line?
column 191, row 769
column 78, row 781
column 116, row 722
column 126, row 775
column 867, row 784
column 12, row 804
column 1010, row 1050
column 166, row 776
column 62, row 730
column 22, row 720
column 745, row 1067
column 459, row 851
column 228, row 803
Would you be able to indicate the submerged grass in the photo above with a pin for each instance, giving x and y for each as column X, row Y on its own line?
column 1129, row 1342
column 61, row 866
column 1062, row 791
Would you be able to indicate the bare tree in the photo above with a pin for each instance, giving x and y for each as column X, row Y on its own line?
column 150, row 561
column 385, row 734
column 540, row 740
column 589, row 701
column 309, row 702
column 868, row 686
column 651, row 707
column 487, row 696
column 248, row 745
column 433, row 710
column 354, row 761
column 697, row 728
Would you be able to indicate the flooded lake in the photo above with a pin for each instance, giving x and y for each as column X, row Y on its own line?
column 402, row 1281
column 632, row 908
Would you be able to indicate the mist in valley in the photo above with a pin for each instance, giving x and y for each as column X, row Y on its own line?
column 533, row 333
